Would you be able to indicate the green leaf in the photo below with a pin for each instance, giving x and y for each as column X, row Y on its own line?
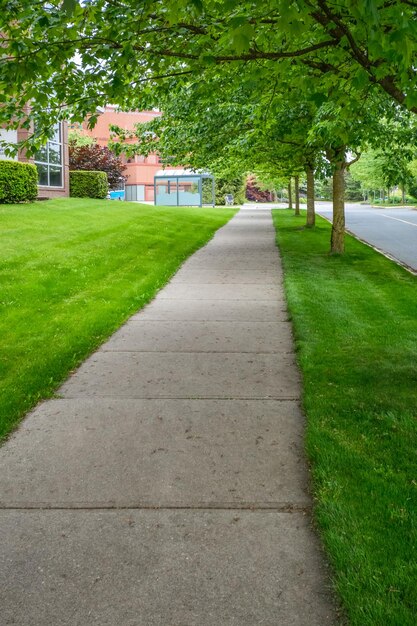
column 208, row 59
column 69, row 6
column 198, row 5
column 411, row 99
column 319, row 98
column 241, row 37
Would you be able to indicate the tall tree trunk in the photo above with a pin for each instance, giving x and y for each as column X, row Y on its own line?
column 337, row 245
column 403, row 193
column 311, row 214
column 289, row 195
column 297, row 194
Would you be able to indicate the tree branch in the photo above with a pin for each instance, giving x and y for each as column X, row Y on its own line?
column 252, row 55
column 358, row 156
column 388, row 83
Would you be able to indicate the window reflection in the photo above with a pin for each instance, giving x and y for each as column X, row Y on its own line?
column 42, row 174
column 48, row 161
column 55, row 176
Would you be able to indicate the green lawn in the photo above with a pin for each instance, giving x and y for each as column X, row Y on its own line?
column 355, row 325
column 71, row 271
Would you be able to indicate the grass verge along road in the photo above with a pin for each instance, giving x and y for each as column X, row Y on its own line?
column 355, row 326
column 71, row 271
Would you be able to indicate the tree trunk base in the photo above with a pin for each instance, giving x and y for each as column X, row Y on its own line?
column 311, row 214
column 337, row 242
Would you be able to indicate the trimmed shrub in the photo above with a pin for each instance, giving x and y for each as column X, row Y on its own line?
column 18, row 182
column 88, row 184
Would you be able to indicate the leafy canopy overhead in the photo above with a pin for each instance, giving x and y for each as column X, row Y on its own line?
column 237, row 121
column 67, row 57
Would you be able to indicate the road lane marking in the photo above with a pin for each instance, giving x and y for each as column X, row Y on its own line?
column 397, row 219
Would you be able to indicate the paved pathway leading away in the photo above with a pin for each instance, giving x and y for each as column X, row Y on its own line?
column 167, row 485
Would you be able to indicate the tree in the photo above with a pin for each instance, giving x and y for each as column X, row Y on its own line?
column 369, row 171
column 260, row 129
column 311, row 215
column 97, row 158
column 71, row 56
column 102, row 51
column 353, row 189
column 77, row 138
column 339, row 56
column 256, row 130
column 390, row 164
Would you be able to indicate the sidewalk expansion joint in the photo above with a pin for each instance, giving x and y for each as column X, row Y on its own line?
column 203, row 398
column 115, row 350
column 205, row 321
column 266, row 283
column 278, row 507
column 213, row 300
column 173, row 320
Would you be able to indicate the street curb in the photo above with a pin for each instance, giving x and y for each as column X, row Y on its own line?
column 409, row 269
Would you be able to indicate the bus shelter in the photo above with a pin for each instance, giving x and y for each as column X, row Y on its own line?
column 182, row 187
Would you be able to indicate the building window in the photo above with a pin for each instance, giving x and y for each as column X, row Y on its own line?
column 48, row 160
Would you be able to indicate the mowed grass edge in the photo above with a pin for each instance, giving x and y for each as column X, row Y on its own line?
column 355, row 327
column 71, row 272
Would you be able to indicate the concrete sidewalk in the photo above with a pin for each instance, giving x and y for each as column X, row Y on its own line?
column 168, row 485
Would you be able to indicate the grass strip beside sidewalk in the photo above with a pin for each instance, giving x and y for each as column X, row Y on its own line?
column 355, row 324
column 71, row 272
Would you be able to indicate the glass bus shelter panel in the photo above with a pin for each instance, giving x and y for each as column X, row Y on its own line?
column 189, row 191
column 166, row 192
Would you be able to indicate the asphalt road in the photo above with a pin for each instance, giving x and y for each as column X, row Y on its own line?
column 393, row 231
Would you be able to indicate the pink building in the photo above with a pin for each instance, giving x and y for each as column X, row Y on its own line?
column 140, row 171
